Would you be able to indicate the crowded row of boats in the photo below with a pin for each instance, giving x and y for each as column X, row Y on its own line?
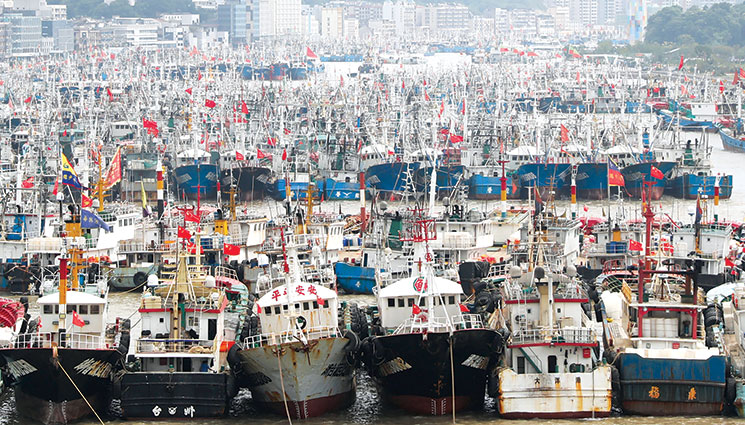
column 145, row 181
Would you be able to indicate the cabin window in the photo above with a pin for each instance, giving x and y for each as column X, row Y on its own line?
column 552, row 366
column 83, row 309
column 520, row 365
column 451, row 299
column 297, row 306
column 411, row 302
column 285, row 307
column 163, row 361
column 276, row 310
column 162, row 320
column 71, row 308
column 401, row 302
column 194, row 321
column 48, row 309
column 391, row 302
column 306, row 306
column 315, row 304
column 268, row 311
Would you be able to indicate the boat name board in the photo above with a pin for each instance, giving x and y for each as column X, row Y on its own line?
column 95, row 368
column 394, row 366
column 188, row 411
column 475, row 361
column 20, row 367
column 337, row 369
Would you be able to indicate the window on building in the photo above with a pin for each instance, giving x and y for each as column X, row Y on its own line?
column 391, row 302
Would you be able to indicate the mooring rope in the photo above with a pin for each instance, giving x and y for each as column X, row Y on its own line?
column 282, row 383
column 81, row 393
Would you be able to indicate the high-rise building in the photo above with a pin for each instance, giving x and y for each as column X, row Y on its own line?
column 25, row 34
column 332, row 22
column 231, row 18
column 276, row 17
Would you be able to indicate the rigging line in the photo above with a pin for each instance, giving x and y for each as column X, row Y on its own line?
column 80, row 392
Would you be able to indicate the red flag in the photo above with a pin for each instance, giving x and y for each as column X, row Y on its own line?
column 76, row 320
column 209, row 103
column 464, row 309
column 190, row 216
column 199, row 75
column 635, row 245
column 564, row 134
column 230, row 249
column 284, row 154
column 239, row 156
column 114, row 172
column 680, row 65
column 262, row 155
column 271, row 141
column 287, row 131
column 729, row 263
column 183, row 233
column 424, row 83
column 258, row 308
column 455, row 138
column 341, row 81
column 27, row 100
column 28, row 183
column 656, row 173
column 244, row 108
column 188, row 90
column 56, row 186
column 309, row 53
column 111, row 95
column 742, row 73
column 415, row 309
column 86, row 201
column 721, row 86
column 320, row 301
column 426, row 96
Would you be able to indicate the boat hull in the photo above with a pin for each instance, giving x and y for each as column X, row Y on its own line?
column 413, row 370
column 488, row 188
column 555, row 395
column 355, row 279
column 316, row 377
column 672, row 386
column 546, row 178
column 43, row 391
column 340, row 190
column 592, row 180
column 739, row 402
column 635, row 175
column 174, row 395
column 188, row 177
column 391, row 176
column 250, row 182
column 687, row 186
column 731, row 143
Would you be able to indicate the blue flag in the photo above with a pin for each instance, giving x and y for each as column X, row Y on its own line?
column 89, row 220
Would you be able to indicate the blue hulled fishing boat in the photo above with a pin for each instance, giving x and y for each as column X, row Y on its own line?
column 195, row 174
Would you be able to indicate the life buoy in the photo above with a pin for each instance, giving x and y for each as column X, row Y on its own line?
column 302, row 323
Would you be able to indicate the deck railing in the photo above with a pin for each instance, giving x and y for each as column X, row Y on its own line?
column 553, row 335
column 293, row 335
column 50, row 339
column 421, row 324
column 191, row 346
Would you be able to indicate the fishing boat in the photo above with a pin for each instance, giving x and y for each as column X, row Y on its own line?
column 179, row 367
column 667, row 364
column 554, row 367
column 731, row 140
column 61, row 367
column 247, row 178
column 195, row 176
column 430, row 355
column 298, row 363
